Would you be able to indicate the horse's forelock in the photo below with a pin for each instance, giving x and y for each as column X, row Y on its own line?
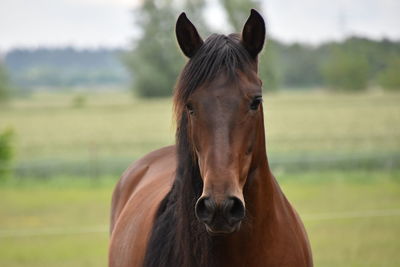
column 220, row 54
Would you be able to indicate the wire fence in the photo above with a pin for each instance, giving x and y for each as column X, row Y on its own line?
column 104, row 229
column 288, row 153
column 93, row 167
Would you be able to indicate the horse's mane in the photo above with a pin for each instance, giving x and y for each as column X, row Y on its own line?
column 177, row 238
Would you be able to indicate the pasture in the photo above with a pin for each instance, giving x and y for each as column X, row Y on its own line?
column 352, row 218
column 114, row 124
column 351, row 211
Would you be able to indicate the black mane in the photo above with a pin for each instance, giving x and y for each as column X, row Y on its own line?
column 177, row 238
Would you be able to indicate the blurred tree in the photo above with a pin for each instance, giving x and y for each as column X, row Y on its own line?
column 346, row 70
column 79, row 101
column 61, row 68
column 238, row 11
column 348, row 65
column 389, row 78
column 301, row 65
column 4, row 84
column 269, row 70
column 6, row 152
column 194, row 9
column 155, row 60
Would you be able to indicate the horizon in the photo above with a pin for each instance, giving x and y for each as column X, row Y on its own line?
column 126, row 48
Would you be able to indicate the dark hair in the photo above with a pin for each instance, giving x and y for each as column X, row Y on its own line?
column 177, row 238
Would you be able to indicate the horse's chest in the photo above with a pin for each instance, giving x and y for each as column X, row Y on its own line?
column 285, row 251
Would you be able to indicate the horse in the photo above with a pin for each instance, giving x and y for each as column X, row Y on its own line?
column 211, row 199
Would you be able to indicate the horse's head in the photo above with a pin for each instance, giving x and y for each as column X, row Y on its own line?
column 220, row 96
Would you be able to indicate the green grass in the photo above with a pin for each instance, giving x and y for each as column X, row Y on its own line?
column 359, row 241
column 47, row 126
column 115, row 128
column 116, row 125
column 65, row 205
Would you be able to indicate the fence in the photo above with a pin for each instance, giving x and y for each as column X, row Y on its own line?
column 95, row 167
column 288, row 153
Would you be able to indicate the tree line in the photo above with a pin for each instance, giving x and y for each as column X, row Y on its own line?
column 64, row 67
column 355, row 63
column 153, row 61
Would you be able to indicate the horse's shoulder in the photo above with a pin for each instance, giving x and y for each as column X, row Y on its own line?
column 135, row 201
column 152, row 167
column 158, row 160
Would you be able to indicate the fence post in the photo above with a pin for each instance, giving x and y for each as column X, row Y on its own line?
column 94, row 162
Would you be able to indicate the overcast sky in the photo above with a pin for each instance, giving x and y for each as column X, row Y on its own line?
column 109, row 23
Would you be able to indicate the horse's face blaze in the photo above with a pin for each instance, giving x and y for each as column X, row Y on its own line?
column 224, row 116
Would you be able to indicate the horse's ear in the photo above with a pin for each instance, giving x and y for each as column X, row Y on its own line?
column 188, row 38
column 253, row 34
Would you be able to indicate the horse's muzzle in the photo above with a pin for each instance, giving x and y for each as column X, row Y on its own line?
column 221, row 218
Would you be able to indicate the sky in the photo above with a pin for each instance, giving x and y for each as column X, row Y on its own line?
column 109, row 23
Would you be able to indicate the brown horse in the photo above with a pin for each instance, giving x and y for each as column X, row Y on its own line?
column 211, row 200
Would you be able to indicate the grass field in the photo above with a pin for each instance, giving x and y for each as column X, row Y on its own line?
column 114, row 124
column 352, row 215
column 352, row 218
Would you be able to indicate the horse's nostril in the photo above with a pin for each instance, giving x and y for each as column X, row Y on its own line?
column 234, row 210
column 231, row 211
column 204, row 209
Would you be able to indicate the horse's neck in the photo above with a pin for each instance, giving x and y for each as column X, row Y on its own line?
column 262, row 188
column 263, row 194
column 264, row 198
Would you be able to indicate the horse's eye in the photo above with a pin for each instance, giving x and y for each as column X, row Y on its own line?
column 255, row 103
column 189, row 108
